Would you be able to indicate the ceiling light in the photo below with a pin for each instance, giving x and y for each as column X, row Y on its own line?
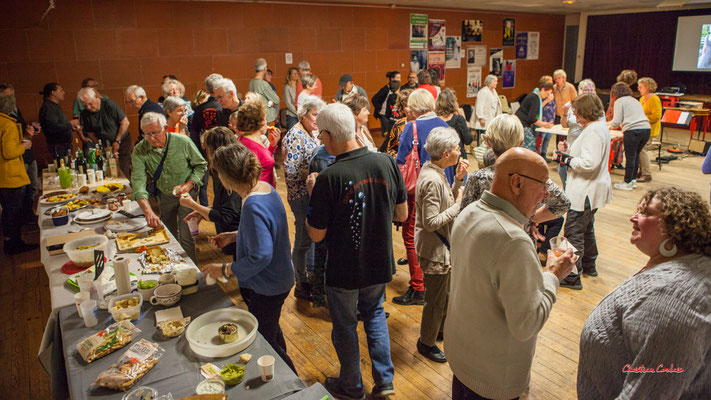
column 568, row 2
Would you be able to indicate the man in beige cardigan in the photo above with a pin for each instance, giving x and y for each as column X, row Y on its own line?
column 499, row 297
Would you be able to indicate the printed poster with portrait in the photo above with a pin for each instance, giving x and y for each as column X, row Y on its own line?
column 509, row 34
column 477, row 55
column 436, row 61
column 471, row 30
column 418, row 31
column 509, row 75
column 436, row 39
column 496, row 60
column 473, row 80
column 521, row 45
column 418, row 60
column 453, row 52
column 534, row 43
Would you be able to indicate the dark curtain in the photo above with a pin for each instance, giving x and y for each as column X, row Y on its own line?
column 643, row 42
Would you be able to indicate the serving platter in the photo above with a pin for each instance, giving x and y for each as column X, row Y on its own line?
column 203, row 337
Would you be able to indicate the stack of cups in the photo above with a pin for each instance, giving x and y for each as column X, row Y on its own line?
column 90, row 313
column 80, row 298
column 91, row 176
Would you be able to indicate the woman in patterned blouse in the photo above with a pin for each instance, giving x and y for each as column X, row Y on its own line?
column 399, row 125
column 298, row 144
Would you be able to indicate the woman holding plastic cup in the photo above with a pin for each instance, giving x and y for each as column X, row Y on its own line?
column 263, row 264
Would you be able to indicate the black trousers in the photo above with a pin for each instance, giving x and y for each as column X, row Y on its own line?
column 11, row 202
column 634, row 140
column 267, row 309
column 461, row 392
column 124, row 160
column 580, row 232
column 550, row 230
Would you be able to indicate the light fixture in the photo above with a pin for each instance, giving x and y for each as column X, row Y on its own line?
column 568, row 2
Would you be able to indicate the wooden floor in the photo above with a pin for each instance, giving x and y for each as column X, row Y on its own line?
column 24, row 296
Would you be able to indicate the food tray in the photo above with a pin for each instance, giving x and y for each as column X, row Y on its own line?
column 124, row 242
column 163, row 268
column 45, row 201
column 204, row 340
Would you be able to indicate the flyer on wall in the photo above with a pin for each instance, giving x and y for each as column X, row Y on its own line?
column 471, row 30
column 436, row 61
column 509, row 32
column 418, row 60
column 496, row 57
column 521, row 45
column 473, row 80
column 436, row 39
column 418, row 31
column 477, row 55
column 452, row 52
column 509, row 79
column 534, row 43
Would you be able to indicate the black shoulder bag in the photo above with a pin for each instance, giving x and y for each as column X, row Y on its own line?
column 152, row 187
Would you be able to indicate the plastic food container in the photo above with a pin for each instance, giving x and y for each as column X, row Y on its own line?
column 211, row 386
column 85, row 257
column 133, row 313
column 141, row 393
column 203, row 337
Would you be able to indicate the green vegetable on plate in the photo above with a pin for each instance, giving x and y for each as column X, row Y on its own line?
column 232, row 374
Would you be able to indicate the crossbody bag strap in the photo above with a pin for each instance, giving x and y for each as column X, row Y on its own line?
column 159, row 169
column 415, row 143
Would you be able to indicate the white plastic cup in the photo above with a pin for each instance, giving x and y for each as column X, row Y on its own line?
column 99, row 175
column 194, row 226
column 266, row 368
column 80, row 298
column 91, row 176
column 90, row 313
column 126, row 204
column 82, row 179
column 86, row 283
column 75, row 180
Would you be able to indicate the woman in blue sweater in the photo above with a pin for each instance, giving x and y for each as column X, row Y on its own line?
column 263, row 266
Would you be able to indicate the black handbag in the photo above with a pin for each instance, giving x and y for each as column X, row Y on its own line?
column 152, row 187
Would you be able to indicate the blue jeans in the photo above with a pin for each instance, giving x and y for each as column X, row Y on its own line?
column 545, row 139
column 291, row 121
column 563, row 173
column 342, row 305
column 302, row 255
column 202, row 193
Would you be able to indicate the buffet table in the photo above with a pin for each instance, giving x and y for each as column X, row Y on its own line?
column 560, row 131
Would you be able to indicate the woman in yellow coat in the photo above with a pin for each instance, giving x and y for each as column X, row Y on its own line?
column 653, row 109
column 13, row 177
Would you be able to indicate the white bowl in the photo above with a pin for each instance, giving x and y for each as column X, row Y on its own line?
column 204, row 340
column 85, row 258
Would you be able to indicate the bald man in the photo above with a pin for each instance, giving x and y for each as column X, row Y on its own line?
column 500, row 298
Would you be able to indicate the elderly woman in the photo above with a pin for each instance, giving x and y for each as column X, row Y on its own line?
column 488, row 104
column 174, row 108
column 308, row 81
column 292, row 76
column 652, row 106
column 531, row 111
column 173, row 87
column 361, row 109
column 226, row 205
column 436, row 209
column 252, row 125
column 629, row 114
column 574, row 129
column 399, row 125
column 421, row 105
column 564, row 93
column 263, row 263
column 297, row 147
column 447, row 108
column 654, row 328
column 588, row 184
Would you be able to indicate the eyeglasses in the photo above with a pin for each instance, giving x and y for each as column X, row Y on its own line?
column 528, row 177
column 152, row 134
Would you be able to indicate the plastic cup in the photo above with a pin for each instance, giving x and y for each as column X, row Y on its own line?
column 65, row 178
column 266, row 367
column 90, row 313
column 80, row 298
column 99, row 175
column 82, row 179
column 194, row 226
column 559, row 245
column 91, row 176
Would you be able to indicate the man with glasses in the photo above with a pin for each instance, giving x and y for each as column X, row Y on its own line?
column 182, row 171
column 490, row 346
column 135, row 96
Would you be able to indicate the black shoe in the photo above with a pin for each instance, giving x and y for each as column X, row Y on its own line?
column 331, row 384
column 440, row 337
column 303, row 291
column 572, row 281
column 402, row 261
column 590, row 271
column 433, row 353
column 11, row 248
column 411, row 297
column 383, row 390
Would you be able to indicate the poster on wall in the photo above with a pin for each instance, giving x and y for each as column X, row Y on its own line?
column 476, row 55
column 436, row 61
column 496, row 59
column 534, row 42
column 452, row 53
column 436, row 39
column 509, row 37
column 521, row 45
column 418, row 60
column 418, row 31
column 509, row 79
column 471, row 30
column 473, row 80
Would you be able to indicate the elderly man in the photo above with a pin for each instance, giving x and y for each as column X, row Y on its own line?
column 86, row 82
column 182, row 170
column 305, row 68
column 135, row 96
column 102, row 119
column 411, row 81
column 564, row 93
column 348, row 88
column 13, row 177
column 226, row 95
column 260, row 86
column 353, row 203
column 206, row 116
column 490, row 346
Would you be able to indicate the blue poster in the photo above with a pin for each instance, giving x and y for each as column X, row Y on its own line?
column 522, row 45
column 509, row 78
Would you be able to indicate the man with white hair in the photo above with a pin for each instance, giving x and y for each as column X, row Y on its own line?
column 226, row 96
column 353, row 204
column 261, row 87
column 180, row 172
column 135, row 96
column 104, row 120
column 305, row 68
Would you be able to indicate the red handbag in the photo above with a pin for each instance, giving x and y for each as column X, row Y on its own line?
column 411, row 169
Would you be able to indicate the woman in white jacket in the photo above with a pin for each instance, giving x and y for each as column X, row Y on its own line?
column 488, row 105
column 588, row 185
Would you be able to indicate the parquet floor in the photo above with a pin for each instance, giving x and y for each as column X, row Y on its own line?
column 25, row 307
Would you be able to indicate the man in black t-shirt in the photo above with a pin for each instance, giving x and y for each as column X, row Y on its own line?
column 353, row 203
column 102, row 119
column 136, row 97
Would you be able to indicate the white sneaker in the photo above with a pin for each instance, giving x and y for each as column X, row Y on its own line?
column 625, row 186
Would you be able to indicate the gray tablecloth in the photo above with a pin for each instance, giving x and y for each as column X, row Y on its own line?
column 178, row 371
column 313, row 392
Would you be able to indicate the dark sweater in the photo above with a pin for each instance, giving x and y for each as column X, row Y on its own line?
column 465, row 135
column 206, row 117
column 379, row 99
column 529, row 109
column 148, row 106
column 226, row 210
column 29, row 155
column 56, row 128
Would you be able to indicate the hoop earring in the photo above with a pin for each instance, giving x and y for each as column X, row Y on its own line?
column 667, row 253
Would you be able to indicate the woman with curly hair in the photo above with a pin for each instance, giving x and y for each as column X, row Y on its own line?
column 655, row 327
column 399, row 125
column 252, row 124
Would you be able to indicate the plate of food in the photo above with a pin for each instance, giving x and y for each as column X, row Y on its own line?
column 157, row 260
column 109, row 187
column 222, row 333
column 57, row 199
column 125, row 225
column 131, row 241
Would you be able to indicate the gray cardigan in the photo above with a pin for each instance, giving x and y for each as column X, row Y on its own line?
column 629, row 113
